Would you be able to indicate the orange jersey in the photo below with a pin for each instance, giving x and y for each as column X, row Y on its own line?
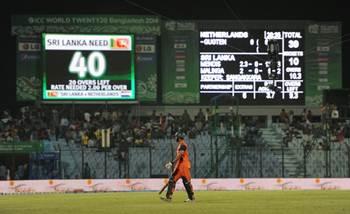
column 183, row 159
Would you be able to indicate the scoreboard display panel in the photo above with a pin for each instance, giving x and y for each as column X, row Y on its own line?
column 236, row 63
column 88, row 67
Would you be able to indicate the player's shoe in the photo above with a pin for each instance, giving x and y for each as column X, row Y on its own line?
column 165, row 199
column 189, row 200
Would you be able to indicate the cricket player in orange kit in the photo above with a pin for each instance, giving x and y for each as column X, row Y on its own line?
column 182, row 169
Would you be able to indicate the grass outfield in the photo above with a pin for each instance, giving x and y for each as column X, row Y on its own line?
column 233, row 202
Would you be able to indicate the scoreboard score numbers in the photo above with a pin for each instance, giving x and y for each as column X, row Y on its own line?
column 237, row 63
column 88, row 67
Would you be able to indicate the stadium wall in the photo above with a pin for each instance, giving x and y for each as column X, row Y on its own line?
column 128, row 185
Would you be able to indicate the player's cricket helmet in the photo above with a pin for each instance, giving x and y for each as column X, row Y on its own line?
column 179, row 135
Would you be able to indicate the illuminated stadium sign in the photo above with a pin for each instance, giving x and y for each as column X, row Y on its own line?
column 236, row 63
column 88, row 67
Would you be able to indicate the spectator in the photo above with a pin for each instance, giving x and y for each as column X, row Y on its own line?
column 284, row 118
column 64, row 125
column 198, row 124
column 19, row 174
column 97, row 114
column 335, row 112
column 153, row 116
column 8, row 174
column 55, row 118
column 114, row 116
column 186, row 119
column 309, row 116
column 105, row 115
column 91, row 142
column 87, row 117
column 86, row 171
column 207, row 115
column 85, row 139
column 2, row 172
column 123, row 149
column 162, row 122
column 304, row 115
column 200, row 116
column 169, row 120
column 291, row 116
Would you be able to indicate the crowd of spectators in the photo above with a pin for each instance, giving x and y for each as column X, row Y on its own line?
column 84, row 126
column 328, row 129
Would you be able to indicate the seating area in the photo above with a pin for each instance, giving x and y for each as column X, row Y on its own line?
column 210, row 158
column 141, row 147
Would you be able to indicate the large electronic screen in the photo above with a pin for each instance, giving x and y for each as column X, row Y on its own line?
column 236, row 63
column 88, row 67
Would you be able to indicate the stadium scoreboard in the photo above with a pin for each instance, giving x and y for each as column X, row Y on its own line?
column 88, row 67
column 237, row 63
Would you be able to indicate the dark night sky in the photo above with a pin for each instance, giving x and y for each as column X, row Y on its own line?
column 334, row 10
